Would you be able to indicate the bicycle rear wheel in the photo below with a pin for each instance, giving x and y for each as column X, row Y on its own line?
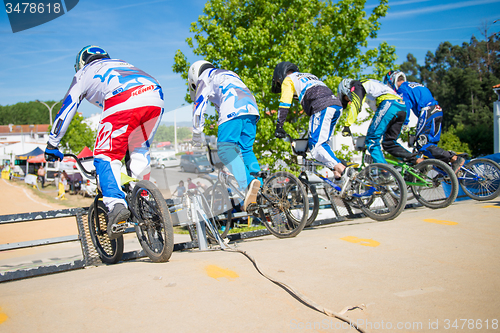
column 442, row 188
column 219, row 210
column 480, row 179
column 154, row 230
column 381, row 190
column 283, row 205
column 109, row 250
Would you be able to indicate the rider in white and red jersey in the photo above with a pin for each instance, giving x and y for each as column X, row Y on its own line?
column 132, row 103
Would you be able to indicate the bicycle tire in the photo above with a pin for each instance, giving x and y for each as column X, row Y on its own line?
column 154, row 229
column 439, row 195
column 219, row 210
column 312, row 195
column 389, row 198
column 109, row 250
column 488, row 187
column 283, row 205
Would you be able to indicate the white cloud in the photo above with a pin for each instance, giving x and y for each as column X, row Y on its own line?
column 439, row 8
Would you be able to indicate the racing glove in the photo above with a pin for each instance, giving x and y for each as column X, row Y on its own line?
column 346, row 131
column 52, row 153
column 280, row 132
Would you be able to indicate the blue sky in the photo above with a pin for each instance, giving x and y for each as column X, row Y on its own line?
column 38, row 63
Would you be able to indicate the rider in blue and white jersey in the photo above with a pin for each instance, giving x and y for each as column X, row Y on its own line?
column 238, row 115
column 419, row 100
column 320, row 104
column 132, row 103
column 389, row 116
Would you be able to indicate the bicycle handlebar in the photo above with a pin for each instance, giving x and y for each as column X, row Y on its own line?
column 88, row 174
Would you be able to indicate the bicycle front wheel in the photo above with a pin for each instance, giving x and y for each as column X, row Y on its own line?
column 154, row 229
column 219, row 210
column 379, row 191
column 438, row 184
column 283, row 205
column 313, row 200
column 109, row 250
column 480, row 179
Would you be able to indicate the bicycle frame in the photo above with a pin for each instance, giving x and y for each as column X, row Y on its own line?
column 405, row 169
column 125, row 180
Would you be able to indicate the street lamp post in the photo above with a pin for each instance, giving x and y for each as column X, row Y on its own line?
column 50, row 109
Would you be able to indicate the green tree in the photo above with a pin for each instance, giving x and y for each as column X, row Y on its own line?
column 166, row 133
column 26, row 113
column 461, row 78
column 451, row 141
column 78, row 135
column 250, row 37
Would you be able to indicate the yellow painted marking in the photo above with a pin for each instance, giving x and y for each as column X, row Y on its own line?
column 491, row 206
column 361, row 241
column 217, row 272
column 3, row 316
column 441, row 222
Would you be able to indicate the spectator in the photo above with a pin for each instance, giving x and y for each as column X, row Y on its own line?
column 180, row 190
column 63, row 181
column 191, row 185
column 41, row 175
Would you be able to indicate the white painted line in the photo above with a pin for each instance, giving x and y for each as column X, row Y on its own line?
column 27, row 194
column 420, row 291
column 31, row 198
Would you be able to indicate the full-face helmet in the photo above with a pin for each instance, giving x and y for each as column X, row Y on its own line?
column 194, row 74
column 280, row 72
column 344, row 89
column 88, row 54
column 392, row 77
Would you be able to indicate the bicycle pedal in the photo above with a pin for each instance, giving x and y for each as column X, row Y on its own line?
column 119, row 227
column 252, row 207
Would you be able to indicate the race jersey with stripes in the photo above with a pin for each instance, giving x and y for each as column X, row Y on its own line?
column 227, row 92
column 368, row 91
column 312, row 94
column 96, row 82
column 416, row 97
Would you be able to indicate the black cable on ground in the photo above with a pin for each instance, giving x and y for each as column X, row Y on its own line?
column 300, row 297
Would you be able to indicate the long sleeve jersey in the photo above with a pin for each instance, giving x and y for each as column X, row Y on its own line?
column 96, row 82
column 366, row 91
column 227, row 92
column 312, row 94
column 416, row 97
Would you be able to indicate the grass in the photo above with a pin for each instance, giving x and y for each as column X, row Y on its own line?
column 49, row 193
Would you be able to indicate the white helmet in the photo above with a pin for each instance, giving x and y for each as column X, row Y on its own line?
column 194, row 74
column 344, row 89
column 392, row 77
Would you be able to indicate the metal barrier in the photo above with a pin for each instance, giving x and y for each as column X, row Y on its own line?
column 90, row 256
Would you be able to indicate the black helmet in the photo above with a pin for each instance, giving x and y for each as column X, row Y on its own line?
column 280, row 72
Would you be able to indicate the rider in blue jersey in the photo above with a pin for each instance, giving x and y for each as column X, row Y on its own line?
column 419, row 100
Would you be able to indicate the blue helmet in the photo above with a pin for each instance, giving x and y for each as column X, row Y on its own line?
column 88, row 54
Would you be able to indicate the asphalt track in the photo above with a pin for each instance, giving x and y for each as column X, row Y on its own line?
column 426, row 271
